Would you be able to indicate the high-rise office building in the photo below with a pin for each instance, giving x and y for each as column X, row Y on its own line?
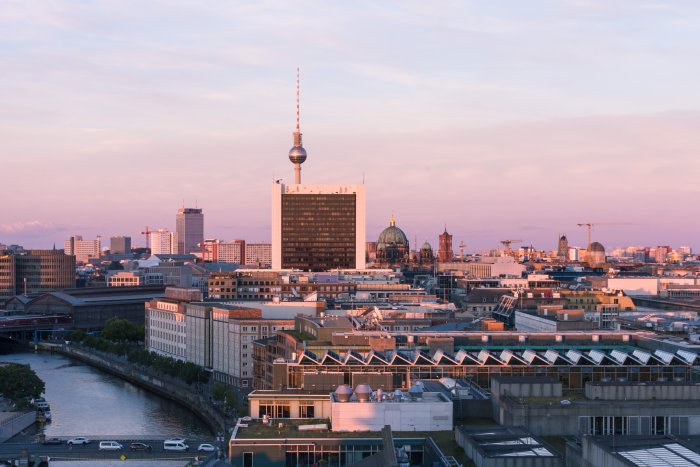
column 83, row 250
column 163, row 242
column 316, row 227
column 35, row 271
column 189, row 225
column 120, row 245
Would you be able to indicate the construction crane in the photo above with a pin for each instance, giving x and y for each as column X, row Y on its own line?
column 589, row 225
column 462, row 246
column 147, row 233
column 506, row 244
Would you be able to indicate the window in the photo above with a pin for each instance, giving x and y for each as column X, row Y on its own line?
column 306, row 411
column 247, row 459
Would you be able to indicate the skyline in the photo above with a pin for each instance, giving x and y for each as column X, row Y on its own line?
column 499, row 121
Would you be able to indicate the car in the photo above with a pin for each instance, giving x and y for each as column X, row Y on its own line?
column 78, row 440
column 52, row 441
column 206, row 447
column 110, row 446
column 140, row 447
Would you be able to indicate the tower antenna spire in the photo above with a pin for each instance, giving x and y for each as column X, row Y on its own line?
column 297, row 155
column 298, row 100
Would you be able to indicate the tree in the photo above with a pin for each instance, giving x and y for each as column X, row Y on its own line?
column 122, row 330
column 19, row 383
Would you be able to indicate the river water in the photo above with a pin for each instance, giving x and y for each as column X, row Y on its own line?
column 87, row 402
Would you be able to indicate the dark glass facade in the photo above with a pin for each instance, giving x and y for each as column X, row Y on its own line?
column 318, row 231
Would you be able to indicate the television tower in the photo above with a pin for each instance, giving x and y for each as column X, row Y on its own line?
column 297, row 154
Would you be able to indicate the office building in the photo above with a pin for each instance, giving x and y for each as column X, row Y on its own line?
column 189, row 226
column 316, row 227
column 163, row 242
column 120, row 245
column 216, row 251
column 34, row 271
column 83, row 250
column 258, row 255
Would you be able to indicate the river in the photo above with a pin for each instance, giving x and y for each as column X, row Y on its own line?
column 87, row 402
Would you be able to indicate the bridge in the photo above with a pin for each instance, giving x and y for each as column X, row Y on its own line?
column 61, row 451
column 20, row 323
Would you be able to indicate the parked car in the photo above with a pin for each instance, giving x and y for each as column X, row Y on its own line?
column 78, row 440
column 52, row 441
column 177, row 444
column 110, row 446
column 206, row 447
column 140, row 447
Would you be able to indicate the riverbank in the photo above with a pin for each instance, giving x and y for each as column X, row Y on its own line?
column 148, row 379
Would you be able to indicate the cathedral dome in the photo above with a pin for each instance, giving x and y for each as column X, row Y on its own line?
column 597, row 247
column 392, row 235
column 426, row 247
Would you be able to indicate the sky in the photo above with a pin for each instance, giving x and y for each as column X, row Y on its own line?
column 497, row 119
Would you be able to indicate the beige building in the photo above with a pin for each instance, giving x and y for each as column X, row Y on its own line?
column 163, row 242
column 258, row 254
column 290, row 403
column 83, row 250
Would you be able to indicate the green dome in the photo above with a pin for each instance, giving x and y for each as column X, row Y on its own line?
column 392, row 235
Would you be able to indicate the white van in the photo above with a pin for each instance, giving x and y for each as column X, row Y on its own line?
column 175, row 445
column 110, row 446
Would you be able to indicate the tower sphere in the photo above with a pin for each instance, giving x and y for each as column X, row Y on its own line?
column 297, row 155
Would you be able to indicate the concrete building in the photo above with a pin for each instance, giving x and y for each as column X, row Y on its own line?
column 125, row 279
column 34, row 272
column 289, row 403
column 258, row 255
column 633, row 451
column 615, row 408
column 166, row 330
column 83, row 250
column 216, row 251
column 163, row 242
column 318, row 227
column 505, row 446
column 234, row 329
column 120, row 245
column 189, row 226
column 415, row 410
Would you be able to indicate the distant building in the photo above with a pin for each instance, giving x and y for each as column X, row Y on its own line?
column 445, row 253
column 258, row 254
column 120, row 245
column 392, row 246
column 83, row 250
column 216, row 251
column 34, row 271
column 189, row 225
column 563, row 247
column 125, row 279
column 163, row 242
column 596, row 254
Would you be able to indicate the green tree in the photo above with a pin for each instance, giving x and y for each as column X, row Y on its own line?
column 19, row 383
column 120, row 330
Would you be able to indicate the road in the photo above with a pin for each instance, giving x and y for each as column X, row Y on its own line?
column 91, row 451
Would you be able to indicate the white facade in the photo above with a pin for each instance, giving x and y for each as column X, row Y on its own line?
column 83, row 249
column 163, row 242
column 166, row 329
column 432, row 413
column 258, row 254
column 360, row 216
column 125, row 279
column 232, row 344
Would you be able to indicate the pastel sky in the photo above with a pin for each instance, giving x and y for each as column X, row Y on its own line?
column 501, row 119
